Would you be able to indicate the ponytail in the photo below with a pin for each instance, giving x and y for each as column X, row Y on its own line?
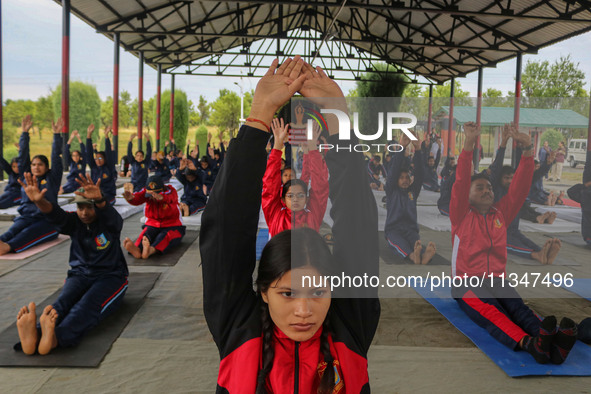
column 268, row 349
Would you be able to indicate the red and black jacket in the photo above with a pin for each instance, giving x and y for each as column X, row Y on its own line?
column 232, row 308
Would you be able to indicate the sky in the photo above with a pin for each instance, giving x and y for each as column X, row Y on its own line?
column 31, row 59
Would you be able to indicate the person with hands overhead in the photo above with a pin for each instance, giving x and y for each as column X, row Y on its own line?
column 479, row 236
column 287, row 205
column 31, row 227
column 97, row 278
column 102, row 166
column 76, row 161
column 16, row 168
column 285, row 337
column 402, row 228
column 164, row 227
column 139, row 162
column 194, row 197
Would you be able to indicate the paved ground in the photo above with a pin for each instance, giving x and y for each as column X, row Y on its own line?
column 167, row 347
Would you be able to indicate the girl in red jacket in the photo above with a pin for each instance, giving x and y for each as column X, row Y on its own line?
column 286, row 337
column 289, row 204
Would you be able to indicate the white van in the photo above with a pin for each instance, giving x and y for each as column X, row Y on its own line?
column 577, row 151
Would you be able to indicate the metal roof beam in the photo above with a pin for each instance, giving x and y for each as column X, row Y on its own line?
column 140, row 15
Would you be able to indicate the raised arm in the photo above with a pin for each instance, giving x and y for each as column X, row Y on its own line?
column 90, row 148
column 459, row 204
column 227, row 238
column 24, row 158
column 57, row 166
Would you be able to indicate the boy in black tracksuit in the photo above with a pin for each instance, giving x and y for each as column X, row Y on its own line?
column 76, row 167
column 208, row 173
column 103, row 167
column 140, row 164
column 97, row 279
column 431, row 179
column 17, row 167
column 161, row 167
column 402, row 229
column 193, row 199
column 581, row 193
column 232, row 308
column 448, row 175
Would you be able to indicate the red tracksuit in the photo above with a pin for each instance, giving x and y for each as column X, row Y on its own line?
column 233, row 310
column 164, row 224
column 480, row 248
column 277, row 215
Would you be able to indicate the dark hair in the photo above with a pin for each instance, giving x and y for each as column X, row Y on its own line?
column 285, row 169
column 14, row 160
column 76, row 151
column 507, row 170
column 102, row 152
column 140, row 151
column 480, row 175
column 403, row 170
column 536, row 161
column 293, row 182
column 277, row 260
column 43, row 158
column 377, row 158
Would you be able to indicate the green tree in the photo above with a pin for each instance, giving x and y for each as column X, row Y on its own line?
column 85, row 106
column 107, row 111
column 181, row 117
column 201, row 136
column 203, row 109
column 225, row 111
column 149, row 113
column 553, row 137
column 13, row 113
column 544, row 84
column 43, row 112
column 194, row 118
column 494, row 98
column 127, row 116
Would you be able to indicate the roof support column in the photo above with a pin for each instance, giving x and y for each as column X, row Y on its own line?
column 1, row 118
column 65, row 74
column 171, row 129
column 158, row 97
column 430, row 112
column 116, row 96
column 140, row 102
column 476, row 153
column 589, row 131
column 517, row 106
column 450, row 127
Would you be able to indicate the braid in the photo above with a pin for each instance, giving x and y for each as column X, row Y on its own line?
column 268, row 349
column 327, row 381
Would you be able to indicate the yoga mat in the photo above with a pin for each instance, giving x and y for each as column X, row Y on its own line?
column 527, row 261
column 562, row 212
column 195, row 220
column 35, row 249
column 513, row 363
column 9, row 214
column 572, row 239
column 559, row 226
column 430, row 217
column 95, row 345
column 169, row 259
column 262, row 239
column 581, row 287
column 391, row 257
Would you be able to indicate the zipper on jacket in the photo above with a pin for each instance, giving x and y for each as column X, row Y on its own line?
column 296, row 369
column 490, row 247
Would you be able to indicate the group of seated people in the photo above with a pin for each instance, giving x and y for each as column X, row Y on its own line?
column 257, row 331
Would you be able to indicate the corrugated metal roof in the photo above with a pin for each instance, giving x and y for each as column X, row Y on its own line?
column 431, row 38
column 528, row 117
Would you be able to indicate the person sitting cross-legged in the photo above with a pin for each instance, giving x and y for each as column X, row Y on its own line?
column 97, row 279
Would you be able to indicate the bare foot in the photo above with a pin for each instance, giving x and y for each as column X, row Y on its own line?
column 4, row 248
column 415, row 256
column 48, row 340
column 131, row 248
column 429, row 253
column 551, row 218
column 184, row 209
column 542, row 255
column 559, row 198
column 26, row 322
column 542, row 218
column 554, row 249
column 147, row 249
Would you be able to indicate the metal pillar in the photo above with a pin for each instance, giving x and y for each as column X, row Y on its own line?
column 116, row 96
column 517, row 106
column 140, row 102
column 65, row 74
column 451, row 118
column 158, row 98
column 1, row 118
column 171, row 129
column 476, row 155
column 430, row 113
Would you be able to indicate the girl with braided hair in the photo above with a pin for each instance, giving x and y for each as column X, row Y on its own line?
column 289, row 336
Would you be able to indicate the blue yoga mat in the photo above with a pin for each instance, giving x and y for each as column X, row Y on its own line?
column 262, row 239
column 514, row 363
column 581, row 287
